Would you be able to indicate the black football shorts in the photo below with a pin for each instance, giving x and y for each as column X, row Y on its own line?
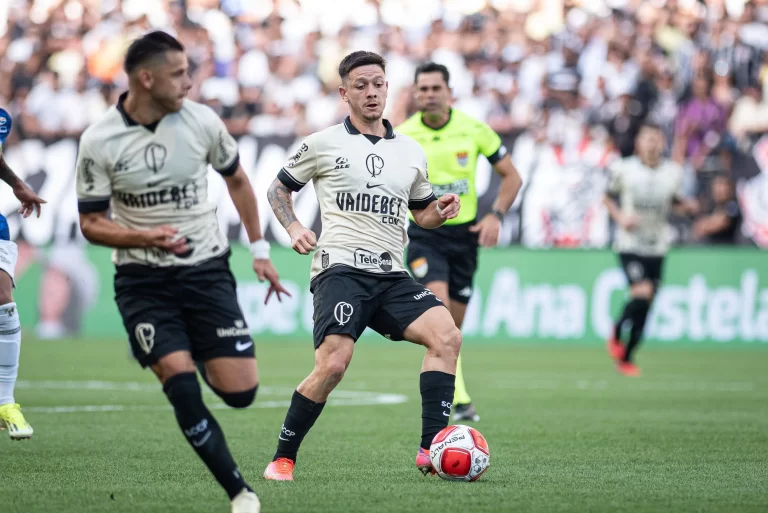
column 347, row 300
column 182, row 308
column 639, row 268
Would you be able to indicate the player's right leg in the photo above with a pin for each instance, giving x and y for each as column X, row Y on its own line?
column 10, row 342
column 342, row 309
column 149, row 305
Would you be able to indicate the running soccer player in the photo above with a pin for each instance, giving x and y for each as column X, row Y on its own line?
column 445, row 260
column 366, row 178
column 147, row 158
column 646, row 186
column 10, row 329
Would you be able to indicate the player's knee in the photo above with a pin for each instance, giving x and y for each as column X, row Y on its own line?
column 642, row 290
column 182, row 389
column 333, row 370
column 6, row 288
column 447, row 342
column 238, row 400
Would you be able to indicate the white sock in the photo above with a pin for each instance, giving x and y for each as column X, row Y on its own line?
column 10, row 346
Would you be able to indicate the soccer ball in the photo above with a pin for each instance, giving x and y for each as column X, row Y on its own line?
column 460, row 453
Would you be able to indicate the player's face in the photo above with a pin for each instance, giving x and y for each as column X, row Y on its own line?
column 432, row 93
column 171, row 81
column 366, row 92
column 650, row 144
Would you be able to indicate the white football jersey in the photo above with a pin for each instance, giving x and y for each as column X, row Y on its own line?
column 155, row 175
column 365, row 190
column 647, row 194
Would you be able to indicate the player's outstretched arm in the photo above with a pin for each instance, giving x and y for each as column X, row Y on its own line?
column 30, row 202
column 241, row 192
column 98, row 229
column 437, row 212
column 303, row 240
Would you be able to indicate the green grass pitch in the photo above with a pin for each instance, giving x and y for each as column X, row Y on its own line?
column 566, row 434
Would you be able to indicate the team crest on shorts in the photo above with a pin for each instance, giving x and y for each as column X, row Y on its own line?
column 462, row 158
column 420, row 267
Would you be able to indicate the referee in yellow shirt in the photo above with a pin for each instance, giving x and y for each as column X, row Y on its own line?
column 445, row 259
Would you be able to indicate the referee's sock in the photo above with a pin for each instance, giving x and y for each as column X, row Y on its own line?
column 437, row 390
column 203, row 432
column 638, row 314
column 300, row 418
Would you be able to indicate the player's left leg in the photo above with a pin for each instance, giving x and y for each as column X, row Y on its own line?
column 222, row 346
column 463, row 265
column 409, row 312
column 10, row 345
column 643, row 274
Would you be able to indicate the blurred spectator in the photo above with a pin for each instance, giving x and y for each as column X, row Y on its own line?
column 699, row 69
column 722, row 216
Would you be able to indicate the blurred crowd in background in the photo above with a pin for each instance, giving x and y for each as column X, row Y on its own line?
column 563, row 75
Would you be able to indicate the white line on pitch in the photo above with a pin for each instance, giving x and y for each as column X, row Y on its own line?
column 345, row 398
column 583, row 384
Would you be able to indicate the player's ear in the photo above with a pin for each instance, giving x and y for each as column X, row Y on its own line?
column 145, row 78
column 343, row 93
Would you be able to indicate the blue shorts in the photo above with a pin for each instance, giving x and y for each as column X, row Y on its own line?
column 5, row 233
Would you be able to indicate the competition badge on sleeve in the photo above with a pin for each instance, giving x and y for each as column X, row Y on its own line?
column 5, row 126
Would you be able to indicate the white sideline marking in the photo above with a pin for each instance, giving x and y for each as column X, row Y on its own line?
column 627, row 386
column 339, row 397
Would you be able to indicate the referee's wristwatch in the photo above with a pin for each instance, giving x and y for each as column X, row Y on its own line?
column 260, row 249
column 499, row 214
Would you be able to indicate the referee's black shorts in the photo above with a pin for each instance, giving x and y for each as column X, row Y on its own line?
column 447, row 254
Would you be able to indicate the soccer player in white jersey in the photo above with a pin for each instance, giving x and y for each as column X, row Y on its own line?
column 10, row 329
column 366, row 177
column 147, row 159
column 646, row 186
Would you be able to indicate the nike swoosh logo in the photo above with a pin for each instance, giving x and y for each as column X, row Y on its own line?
column 201, row 442
column 242, row 347
column 369, row 186
column 447, row 414
column 284, row 439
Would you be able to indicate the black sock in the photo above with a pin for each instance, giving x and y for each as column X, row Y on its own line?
column 203, row 432
column 300, row 418
column 436, row 397
column 639, row 316
column 628, row 317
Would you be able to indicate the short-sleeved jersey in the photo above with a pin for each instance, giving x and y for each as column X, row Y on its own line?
column 647, row 194
column 452, row 152
column 156, row 175
column 365, row 186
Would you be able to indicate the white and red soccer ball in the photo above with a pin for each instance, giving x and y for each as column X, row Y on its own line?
column 460, row 453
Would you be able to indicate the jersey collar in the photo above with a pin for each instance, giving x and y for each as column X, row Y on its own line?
column 450, row 115
column 354, row 131
column 128, row 120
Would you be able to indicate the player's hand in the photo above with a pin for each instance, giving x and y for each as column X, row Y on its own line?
column 266, row 271
column 303, row 240
column 488, row 230
column 448, row 206
column 30, row 202
column 628, row 222
column 692, row 206
column 164, row 237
